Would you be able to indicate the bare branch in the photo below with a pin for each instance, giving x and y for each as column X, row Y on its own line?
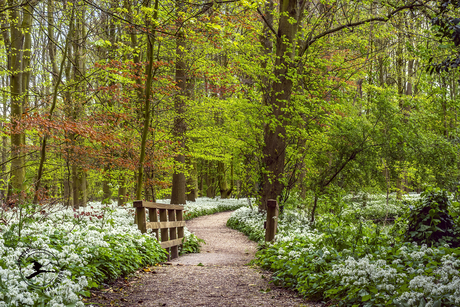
column 266, row 22
column 358, row 23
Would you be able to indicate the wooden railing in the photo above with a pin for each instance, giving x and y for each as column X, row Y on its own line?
column 166, row 220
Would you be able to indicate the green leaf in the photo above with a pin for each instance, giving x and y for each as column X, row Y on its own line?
column 422, row 303
column 366, row 298
column 374, row 290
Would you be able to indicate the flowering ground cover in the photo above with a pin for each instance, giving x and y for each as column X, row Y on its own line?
column 90, row 246
column 377, row 206
column 206, row 206
column 354, row 262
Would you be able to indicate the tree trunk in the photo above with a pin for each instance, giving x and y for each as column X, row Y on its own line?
column 178, row 180
column 222, row 178
column 279, row 96
column 192, row 180
column 210, row 180
column 147, row 91
column 313, row 210
column 57, row 76
column 68, row 199
column 122, row 190
column 106, row 191
column 18, row 64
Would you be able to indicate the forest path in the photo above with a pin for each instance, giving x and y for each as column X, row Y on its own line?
column 222, row 277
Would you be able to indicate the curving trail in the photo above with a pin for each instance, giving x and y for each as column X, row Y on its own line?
column 224, row 279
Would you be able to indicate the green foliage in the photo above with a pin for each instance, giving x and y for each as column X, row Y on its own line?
column 192, row 211
column 429, row 221
column 191, row 245
column 298, row 261
column 372, row 274
column 113, row 261
column 254, row 231
column 352, row 262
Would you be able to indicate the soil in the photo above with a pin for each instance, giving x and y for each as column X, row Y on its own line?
column 217, row 276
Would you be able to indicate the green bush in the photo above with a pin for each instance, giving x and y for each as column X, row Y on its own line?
column 429, row 221
column 191, row 245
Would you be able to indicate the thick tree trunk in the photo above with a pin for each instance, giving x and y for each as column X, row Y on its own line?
column 279, row 96
column 178, row 181
column 19, row 62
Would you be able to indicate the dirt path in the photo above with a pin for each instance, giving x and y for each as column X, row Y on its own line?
column 222, row 280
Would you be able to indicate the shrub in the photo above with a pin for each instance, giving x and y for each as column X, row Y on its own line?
column 429, row 221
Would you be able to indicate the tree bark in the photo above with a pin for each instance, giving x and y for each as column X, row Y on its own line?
column 19, row 64
column 57, row 76
column 147, row 111
column 106, row 190
column 192, row 180
column 279, row 96
column 180, row 127
column 122, row 190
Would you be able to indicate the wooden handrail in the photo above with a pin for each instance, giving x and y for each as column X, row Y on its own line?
column 149, row 204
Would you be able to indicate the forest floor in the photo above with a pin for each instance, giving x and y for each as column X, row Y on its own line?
column 217, row 276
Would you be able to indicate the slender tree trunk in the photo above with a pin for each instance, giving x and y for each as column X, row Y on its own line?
column 147, row 91
column 122, row 191
column 225, row 191
column 400, row 84
column 192, row 180
column 57, row 76
column 106, row 191
column 210, row 189
column 4, row 177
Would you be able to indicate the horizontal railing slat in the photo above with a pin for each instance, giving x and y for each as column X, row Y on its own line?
column 170, row 243
column 160, row 225
column 149, row 204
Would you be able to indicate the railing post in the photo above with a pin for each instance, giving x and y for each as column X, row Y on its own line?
column 153, row 217
column 180, row 230
column 140, row 219
column 173, row 233
column 164, row 231
column 272, row 220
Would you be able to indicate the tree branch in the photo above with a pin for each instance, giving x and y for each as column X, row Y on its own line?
column 358, row 23
column 266, row 22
